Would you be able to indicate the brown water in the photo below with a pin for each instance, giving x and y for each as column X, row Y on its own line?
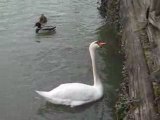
column 30, row 62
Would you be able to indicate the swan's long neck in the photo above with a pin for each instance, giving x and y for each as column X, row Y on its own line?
column 95, row 74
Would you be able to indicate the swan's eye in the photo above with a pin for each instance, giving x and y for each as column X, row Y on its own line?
column 97, row 42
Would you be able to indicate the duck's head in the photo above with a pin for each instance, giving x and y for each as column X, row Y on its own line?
column 38, row 25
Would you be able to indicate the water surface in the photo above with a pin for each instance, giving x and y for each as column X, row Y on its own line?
column 30, row 62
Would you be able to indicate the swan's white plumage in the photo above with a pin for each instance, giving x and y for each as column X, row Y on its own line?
column 75, row 94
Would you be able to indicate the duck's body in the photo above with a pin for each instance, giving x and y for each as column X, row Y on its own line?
column 44, row 29
column 75, row 94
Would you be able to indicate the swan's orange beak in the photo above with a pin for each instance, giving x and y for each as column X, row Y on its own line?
column 101, row 43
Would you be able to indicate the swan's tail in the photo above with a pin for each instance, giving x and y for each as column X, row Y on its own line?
column 43, row 94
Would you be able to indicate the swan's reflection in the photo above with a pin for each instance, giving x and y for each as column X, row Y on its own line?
column 98, row 110
column 50, row 108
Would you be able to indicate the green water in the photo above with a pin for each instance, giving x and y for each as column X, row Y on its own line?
column 30, row 62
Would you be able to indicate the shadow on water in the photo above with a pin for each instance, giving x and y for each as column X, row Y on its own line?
column 49, row 108
column 113, row 61
column 45, row 34
column 83, row 112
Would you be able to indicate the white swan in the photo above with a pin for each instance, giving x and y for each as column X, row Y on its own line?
column 75, row 94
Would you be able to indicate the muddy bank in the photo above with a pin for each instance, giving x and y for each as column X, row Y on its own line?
column 140, row 29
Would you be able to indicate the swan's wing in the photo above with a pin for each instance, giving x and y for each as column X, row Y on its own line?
column 74, row 91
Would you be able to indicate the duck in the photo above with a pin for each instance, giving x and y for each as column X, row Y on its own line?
column 76, row 94
column 43, row 19
column 44, row 29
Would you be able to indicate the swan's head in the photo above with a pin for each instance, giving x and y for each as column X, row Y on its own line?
column 97, row 44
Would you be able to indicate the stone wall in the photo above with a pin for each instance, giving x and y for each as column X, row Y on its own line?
column 139, row 97
column 141, row 40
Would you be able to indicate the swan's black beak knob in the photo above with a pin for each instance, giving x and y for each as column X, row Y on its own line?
column 101, row 43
